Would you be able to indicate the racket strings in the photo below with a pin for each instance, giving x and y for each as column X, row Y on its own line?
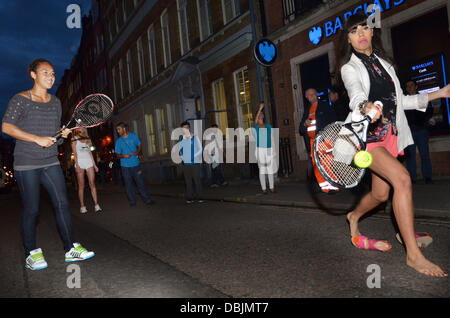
column 93, row 110
column 336, row 147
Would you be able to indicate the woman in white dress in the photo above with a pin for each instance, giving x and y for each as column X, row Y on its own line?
column 84, row 162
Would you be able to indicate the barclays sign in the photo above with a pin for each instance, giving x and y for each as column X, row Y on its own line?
column 329, row 28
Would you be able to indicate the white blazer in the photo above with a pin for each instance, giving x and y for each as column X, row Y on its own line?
column 356, row 80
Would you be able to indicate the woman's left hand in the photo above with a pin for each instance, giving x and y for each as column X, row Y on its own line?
column 66, row 132
column 446, row 91
column 96, row 168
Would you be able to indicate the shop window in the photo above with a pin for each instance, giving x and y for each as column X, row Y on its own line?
column 242, row 88
column 220, row 105
column 151, row 137
column 161, row 126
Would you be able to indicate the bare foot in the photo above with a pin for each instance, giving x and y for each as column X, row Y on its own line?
column 353, row 222
column 424, row 266
column 382, row 246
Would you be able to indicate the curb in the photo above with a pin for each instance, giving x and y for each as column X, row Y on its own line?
column 420, row 214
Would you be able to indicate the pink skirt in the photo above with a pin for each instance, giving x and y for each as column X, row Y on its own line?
column 390, row 143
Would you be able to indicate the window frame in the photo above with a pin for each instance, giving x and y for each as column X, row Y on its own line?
column 166, row 38
column 237, row 93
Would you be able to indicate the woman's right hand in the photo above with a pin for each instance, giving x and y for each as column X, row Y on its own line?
column 369, row 107
column 45, row 141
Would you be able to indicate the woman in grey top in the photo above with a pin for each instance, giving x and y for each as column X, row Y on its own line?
column 32, row 117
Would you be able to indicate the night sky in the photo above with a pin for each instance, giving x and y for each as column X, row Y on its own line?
column 31, row 29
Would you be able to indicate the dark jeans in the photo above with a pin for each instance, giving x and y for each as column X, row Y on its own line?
column 192, row 174
column 421, row 141
column 135, row 173
column 53, row 181
column 217, row 175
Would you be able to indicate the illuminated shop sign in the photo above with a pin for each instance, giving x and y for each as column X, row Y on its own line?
column 330, row 27
column 265, row 52
column 430, row 74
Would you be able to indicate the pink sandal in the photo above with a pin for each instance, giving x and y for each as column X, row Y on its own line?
column 359, row 241
column 423, row 239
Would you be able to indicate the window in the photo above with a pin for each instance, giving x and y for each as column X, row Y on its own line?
column 152, row 50
column 129, row 72
column 114, row 84
column 111, row 30
column 294, row 8
column 135, row 126
column 220, row 104
column 230, row 10
column 116, row 19
column 183, row 26
column 141, row 65
column 165, row 38
column 161, row 126
column 204, row 18
column 121, row 78
column 242, row 87
column 124, row 10
column 150, row 130
column 172, row 120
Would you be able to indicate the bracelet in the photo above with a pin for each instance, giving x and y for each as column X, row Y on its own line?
column 362, row 107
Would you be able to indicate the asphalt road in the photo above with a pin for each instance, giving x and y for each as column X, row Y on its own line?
column 213, row 250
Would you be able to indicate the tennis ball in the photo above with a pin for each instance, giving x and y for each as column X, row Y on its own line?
column 363, row 159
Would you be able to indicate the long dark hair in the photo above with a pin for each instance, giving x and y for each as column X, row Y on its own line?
column 345, row 49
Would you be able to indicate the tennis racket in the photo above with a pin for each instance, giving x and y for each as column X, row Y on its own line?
column 335, row 148
column 92, row 111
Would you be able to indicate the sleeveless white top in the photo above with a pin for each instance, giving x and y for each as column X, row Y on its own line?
column 83, row 155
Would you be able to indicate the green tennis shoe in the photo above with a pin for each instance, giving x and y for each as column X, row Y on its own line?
column 36, row 261
column 78, row 253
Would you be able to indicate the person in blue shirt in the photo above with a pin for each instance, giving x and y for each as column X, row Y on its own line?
column 191, row 152
column 127, row 149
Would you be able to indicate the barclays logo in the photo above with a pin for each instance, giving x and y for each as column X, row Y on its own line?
column 267, row 51
column 315, row 35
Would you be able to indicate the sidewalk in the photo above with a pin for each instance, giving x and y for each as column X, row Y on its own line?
column 431, row 201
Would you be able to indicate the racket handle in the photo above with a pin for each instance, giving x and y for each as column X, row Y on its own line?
column 371, row 114
column 58, row 135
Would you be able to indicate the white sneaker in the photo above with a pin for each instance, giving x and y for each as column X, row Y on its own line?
column 83, row 209
column 78, row 253
column 35, row 261
column 97, row 208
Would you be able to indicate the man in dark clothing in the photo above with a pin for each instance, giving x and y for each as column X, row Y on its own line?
column 318, row 114
column 339, row 103
column 418, row 122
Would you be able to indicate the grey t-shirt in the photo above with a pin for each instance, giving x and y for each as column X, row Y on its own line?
column 41, row 119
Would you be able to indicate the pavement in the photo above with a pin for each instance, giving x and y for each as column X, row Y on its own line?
column 431, row 201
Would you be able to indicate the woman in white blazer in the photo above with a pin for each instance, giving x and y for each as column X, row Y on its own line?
column 369, row 76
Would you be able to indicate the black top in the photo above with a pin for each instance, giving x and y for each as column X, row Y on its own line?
column 382, row 89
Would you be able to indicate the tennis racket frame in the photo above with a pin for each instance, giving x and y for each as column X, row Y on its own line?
column 362, row 140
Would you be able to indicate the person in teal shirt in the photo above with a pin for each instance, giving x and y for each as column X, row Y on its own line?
column 265, row 152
